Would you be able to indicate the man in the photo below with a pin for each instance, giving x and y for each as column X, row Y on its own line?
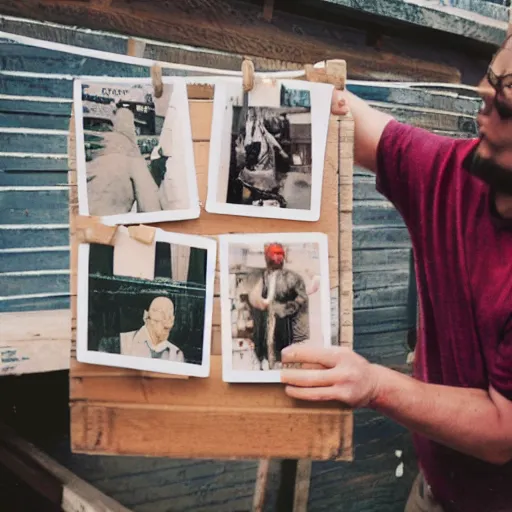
column 456, row 199
column 259, row 144
column 118, row 177
column 279, row 307
column 151, row 340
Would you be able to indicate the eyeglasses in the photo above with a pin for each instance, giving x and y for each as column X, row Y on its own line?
column 502, row 84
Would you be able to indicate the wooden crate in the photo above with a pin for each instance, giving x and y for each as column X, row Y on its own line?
column 122, row 411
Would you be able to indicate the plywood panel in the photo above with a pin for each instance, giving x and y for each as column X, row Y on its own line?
column 129, row 412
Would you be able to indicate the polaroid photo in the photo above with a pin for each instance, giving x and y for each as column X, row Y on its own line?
column 135, row 156
column 147, row 307
column 275, row 291
column 267, row 153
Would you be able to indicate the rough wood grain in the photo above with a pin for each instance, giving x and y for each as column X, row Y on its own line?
column 207, row 432
column 219, row 24
column 34, row 342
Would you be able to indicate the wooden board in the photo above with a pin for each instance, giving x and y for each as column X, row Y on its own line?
column 49, row 479
column 34, row 341
column 238, row 27
column 117, row 411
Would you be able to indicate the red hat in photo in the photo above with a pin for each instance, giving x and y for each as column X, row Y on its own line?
column 272, row 249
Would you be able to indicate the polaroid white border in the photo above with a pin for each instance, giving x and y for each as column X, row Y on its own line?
column 221, row 128
column 84, row 355
column 267, row 376
column 180, row 89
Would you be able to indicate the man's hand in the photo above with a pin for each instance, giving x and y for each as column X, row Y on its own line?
column 369, row 124
column 339, row 105
column 335, row 373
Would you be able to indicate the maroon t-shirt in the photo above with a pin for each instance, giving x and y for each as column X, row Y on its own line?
column 463, row 253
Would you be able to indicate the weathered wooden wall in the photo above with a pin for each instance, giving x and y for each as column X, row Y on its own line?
column 381, row 40
column 35, row 96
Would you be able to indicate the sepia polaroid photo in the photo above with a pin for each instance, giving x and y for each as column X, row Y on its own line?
column 267, row 153
column 147, row 306
column 275, row 292
column 135, row 156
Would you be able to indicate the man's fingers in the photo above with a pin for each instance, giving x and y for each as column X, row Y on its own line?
column 302, row 366
column 313, row 394
column 311, row 354
column 307, row 378
column 338, row 104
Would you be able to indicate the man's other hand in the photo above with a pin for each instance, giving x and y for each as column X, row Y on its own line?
column 338, row 374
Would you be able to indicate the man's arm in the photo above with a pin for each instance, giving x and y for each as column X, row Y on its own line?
column 369, row 124
column 473, row 421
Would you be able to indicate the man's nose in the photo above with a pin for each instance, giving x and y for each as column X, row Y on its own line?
column 487, row 92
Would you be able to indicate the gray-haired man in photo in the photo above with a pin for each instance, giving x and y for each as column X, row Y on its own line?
column 152, row 339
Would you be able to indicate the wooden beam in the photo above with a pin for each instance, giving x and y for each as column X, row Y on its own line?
column 425, row 13
column 49, row 478
column 302, row 485
column 238, row 27
column 34, row 341
column 268, row 10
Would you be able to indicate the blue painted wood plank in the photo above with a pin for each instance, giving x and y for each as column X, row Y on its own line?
column 34, row 260
column 36, row 86
column 32, row 163
column 14, row 142
column 415, row 97
column 69, row 35
column 376, row 213
column 380, row 259
column 371, row 237
column 28, row 236
column 19, row 105
column 364, row 190
column 431, row 120
column 16, row 57
column 495, row 9
column 42, row 121
column 369, row 280
column 32, row 179
column 381, row 297
column 35, row 304
column 41, row 207
column 29, row 284
column 386, row 356
column 375, row 320
column 433, row 16
column 381, row 339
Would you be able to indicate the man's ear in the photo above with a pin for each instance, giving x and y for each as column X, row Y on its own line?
column 145, row 315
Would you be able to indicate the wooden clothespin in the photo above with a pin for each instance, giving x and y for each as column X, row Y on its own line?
column 90, row 230
column 333, row 72
column 247, row 75
column 156, row 78
column 143, row 234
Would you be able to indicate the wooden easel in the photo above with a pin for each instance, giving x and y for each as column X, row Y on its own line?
column 128, row 412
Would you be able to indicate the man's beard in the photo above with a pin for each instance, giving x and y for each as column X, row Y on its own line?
column 497, row 177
